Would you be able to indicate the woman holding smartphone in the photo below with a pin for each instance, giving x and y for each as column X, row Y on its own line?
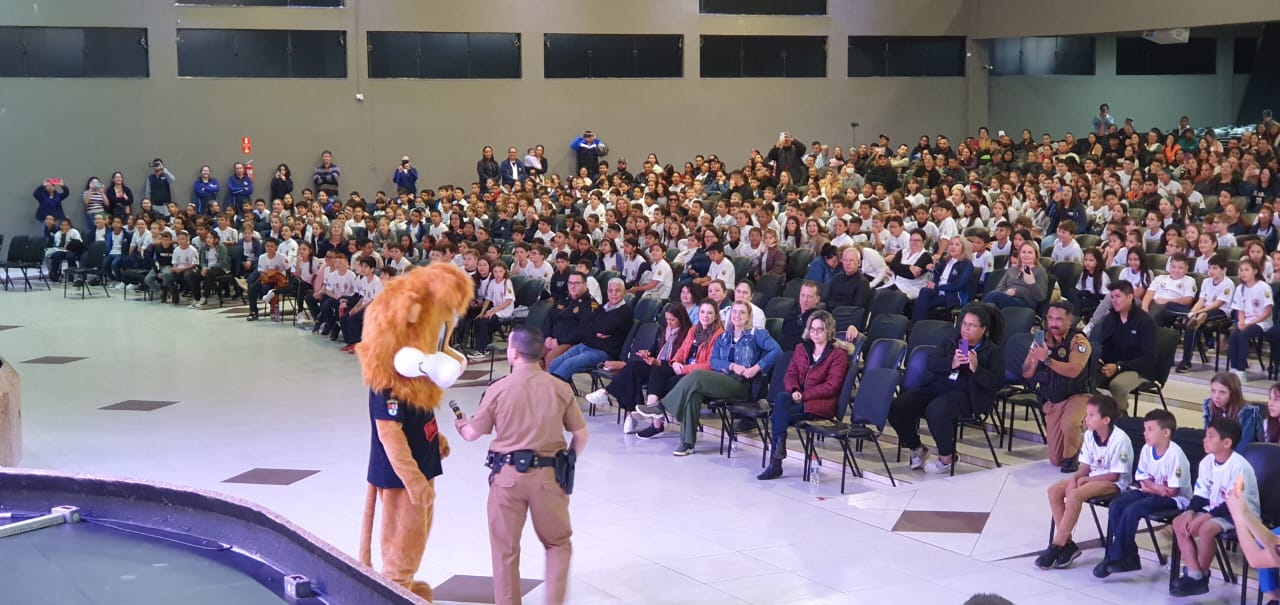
column 1026, row 286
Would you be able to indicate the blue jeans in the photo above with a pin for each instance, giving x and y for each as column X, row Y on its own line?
column 1238, row 346
column 931, row 298
column 786, row 411
column 1002, row 300
column 578, row 358
column 111, row 266
column 1269, row 578
column 1123, row 516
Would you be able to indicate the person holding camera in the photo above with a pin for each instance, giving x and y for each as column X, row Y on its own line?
column 1057, row 363
column 49, row 196
column 406, row 177
column 1024, row 285
column 529, row 411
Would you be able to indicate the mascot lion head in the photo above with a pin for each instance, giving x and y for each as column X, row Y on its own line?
column 407, row 328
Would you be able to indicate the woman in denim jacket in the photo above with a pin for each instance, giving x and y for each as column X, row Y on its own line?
column 740, row 355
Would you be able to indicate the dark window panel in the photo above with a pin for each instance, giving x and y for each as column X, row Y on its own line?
column 806, row 57
column 762, row 57
column 866, row 56
column 611, row 56
column 394, row 55
column 206, row 53
column 762, row 7
column 317, row 54
column 261, row 53
column 1137, row 56
column 54, row 52
column 11, row 53
column 945, row 56
column 905, row 58
column 444, row 55
column 495, row 55
column 116, row 53
column 565, row 56
column 1043, row 56
column 721, row 57
column 1244, row 55
column 1006, row 56
column 660, row 56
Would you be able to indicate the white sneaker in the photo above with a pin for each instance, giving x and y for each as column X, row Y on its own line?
column 476, row 356
column 917, row 458
column 269, row 296
column 199, row 304
column 119, row 286
column 243, row 283
column 937, row 467
column 131, row 287
column 599, row 398
column 629, row 425
column 1241, row 375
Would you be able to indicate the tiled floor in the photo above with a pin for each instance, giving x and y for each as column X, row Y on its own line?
column 282, row 414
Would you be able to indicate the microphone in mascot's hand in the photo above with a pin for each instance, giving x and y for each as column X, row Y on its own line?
column 457, row 411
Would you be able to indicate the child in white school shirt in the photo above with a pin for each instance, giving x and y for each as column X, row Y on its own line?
column 1104, row 470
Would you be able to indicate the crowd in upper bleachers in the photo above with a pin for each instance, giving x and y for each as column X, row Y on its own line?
column 1071, row 265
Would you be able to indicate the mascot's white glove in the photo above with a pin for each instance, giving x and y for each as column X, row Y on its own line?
column 442, row 369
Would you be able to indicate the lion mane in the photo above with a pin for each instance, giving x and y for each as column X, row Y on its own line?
column 417, row 309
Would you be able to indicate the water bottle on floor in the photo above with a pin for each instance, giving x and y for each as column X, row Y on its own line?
column 814, row 466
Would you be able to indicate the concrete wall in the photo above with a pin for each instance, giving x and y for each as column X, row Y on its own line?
column 1020, row 18
column 1058, row 104
column 77, row 128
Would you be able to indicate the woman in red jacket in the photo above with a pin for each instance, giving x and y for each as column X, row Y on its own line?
column 693, row 354
column 812, row 385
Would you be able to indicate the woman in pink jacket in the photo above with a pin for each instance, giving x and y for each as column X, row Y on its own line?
column 811, row 386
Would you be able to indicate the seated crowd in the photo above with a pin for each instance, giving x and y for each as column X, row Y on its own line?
column 782, row 266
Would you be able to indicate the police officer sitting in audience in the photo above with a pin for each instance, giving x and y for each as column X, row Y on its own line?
column 567, row 316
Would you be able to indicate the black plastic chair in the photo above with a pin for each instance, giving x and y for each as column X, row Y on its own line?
column 928, row 332
column 1153, row 381
column 752, row 411
column 798, row 262
column 887, row 302
column 769, row 285
column 869, row 414
column 885, row 353
column 33, row 260
column 13, row 259
column 741, row 266
column 1016, row 393
column 792, row 288
column 780, row 307
column 916, row 373
column 887, row 326
column 1067, row 274
column 1018, row 320
column 647, row 309
column 848, row 316
column 773, row 326
column 89, row 265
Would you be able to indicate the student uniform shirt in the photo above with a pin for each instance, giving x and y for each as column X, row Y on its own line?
column 1086, row 284
column 724, row 272
column 266, row 263
column 1110, row 457
column 1255, row 301
column 659, row 272
column 497, row 293
column 542, row 273
column 1170, row 470
column 340, row 285
column 420, row 430
column 984, row 261
column 1167, row 288
column 228, row 236
column 1068, row 252
column 1223, row 291
column 185, row 257
column 999, row 250
column 1215, row 481
column 369, row 288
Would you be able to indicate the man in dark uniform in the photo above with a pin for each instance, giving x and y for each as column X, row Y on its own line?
column 1060, row 371
column 566, row 316
column 531, row 410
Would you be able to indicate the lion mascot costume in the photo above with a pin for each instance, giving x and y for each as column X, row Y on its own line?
column 407, row 363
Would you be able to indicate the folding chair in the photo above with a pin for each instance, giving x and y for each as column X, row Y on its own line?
column 866, row 423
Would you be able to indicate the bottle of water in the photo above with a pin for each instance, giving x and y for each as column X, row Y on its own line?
column 814, row 466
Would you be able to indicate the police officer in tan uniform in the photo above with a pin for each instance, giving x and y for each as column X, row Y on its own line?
column 530, row 410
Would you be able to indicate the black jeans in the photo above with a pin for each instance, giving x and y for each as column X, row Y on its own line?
column 627, row 386
column 940, row 411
